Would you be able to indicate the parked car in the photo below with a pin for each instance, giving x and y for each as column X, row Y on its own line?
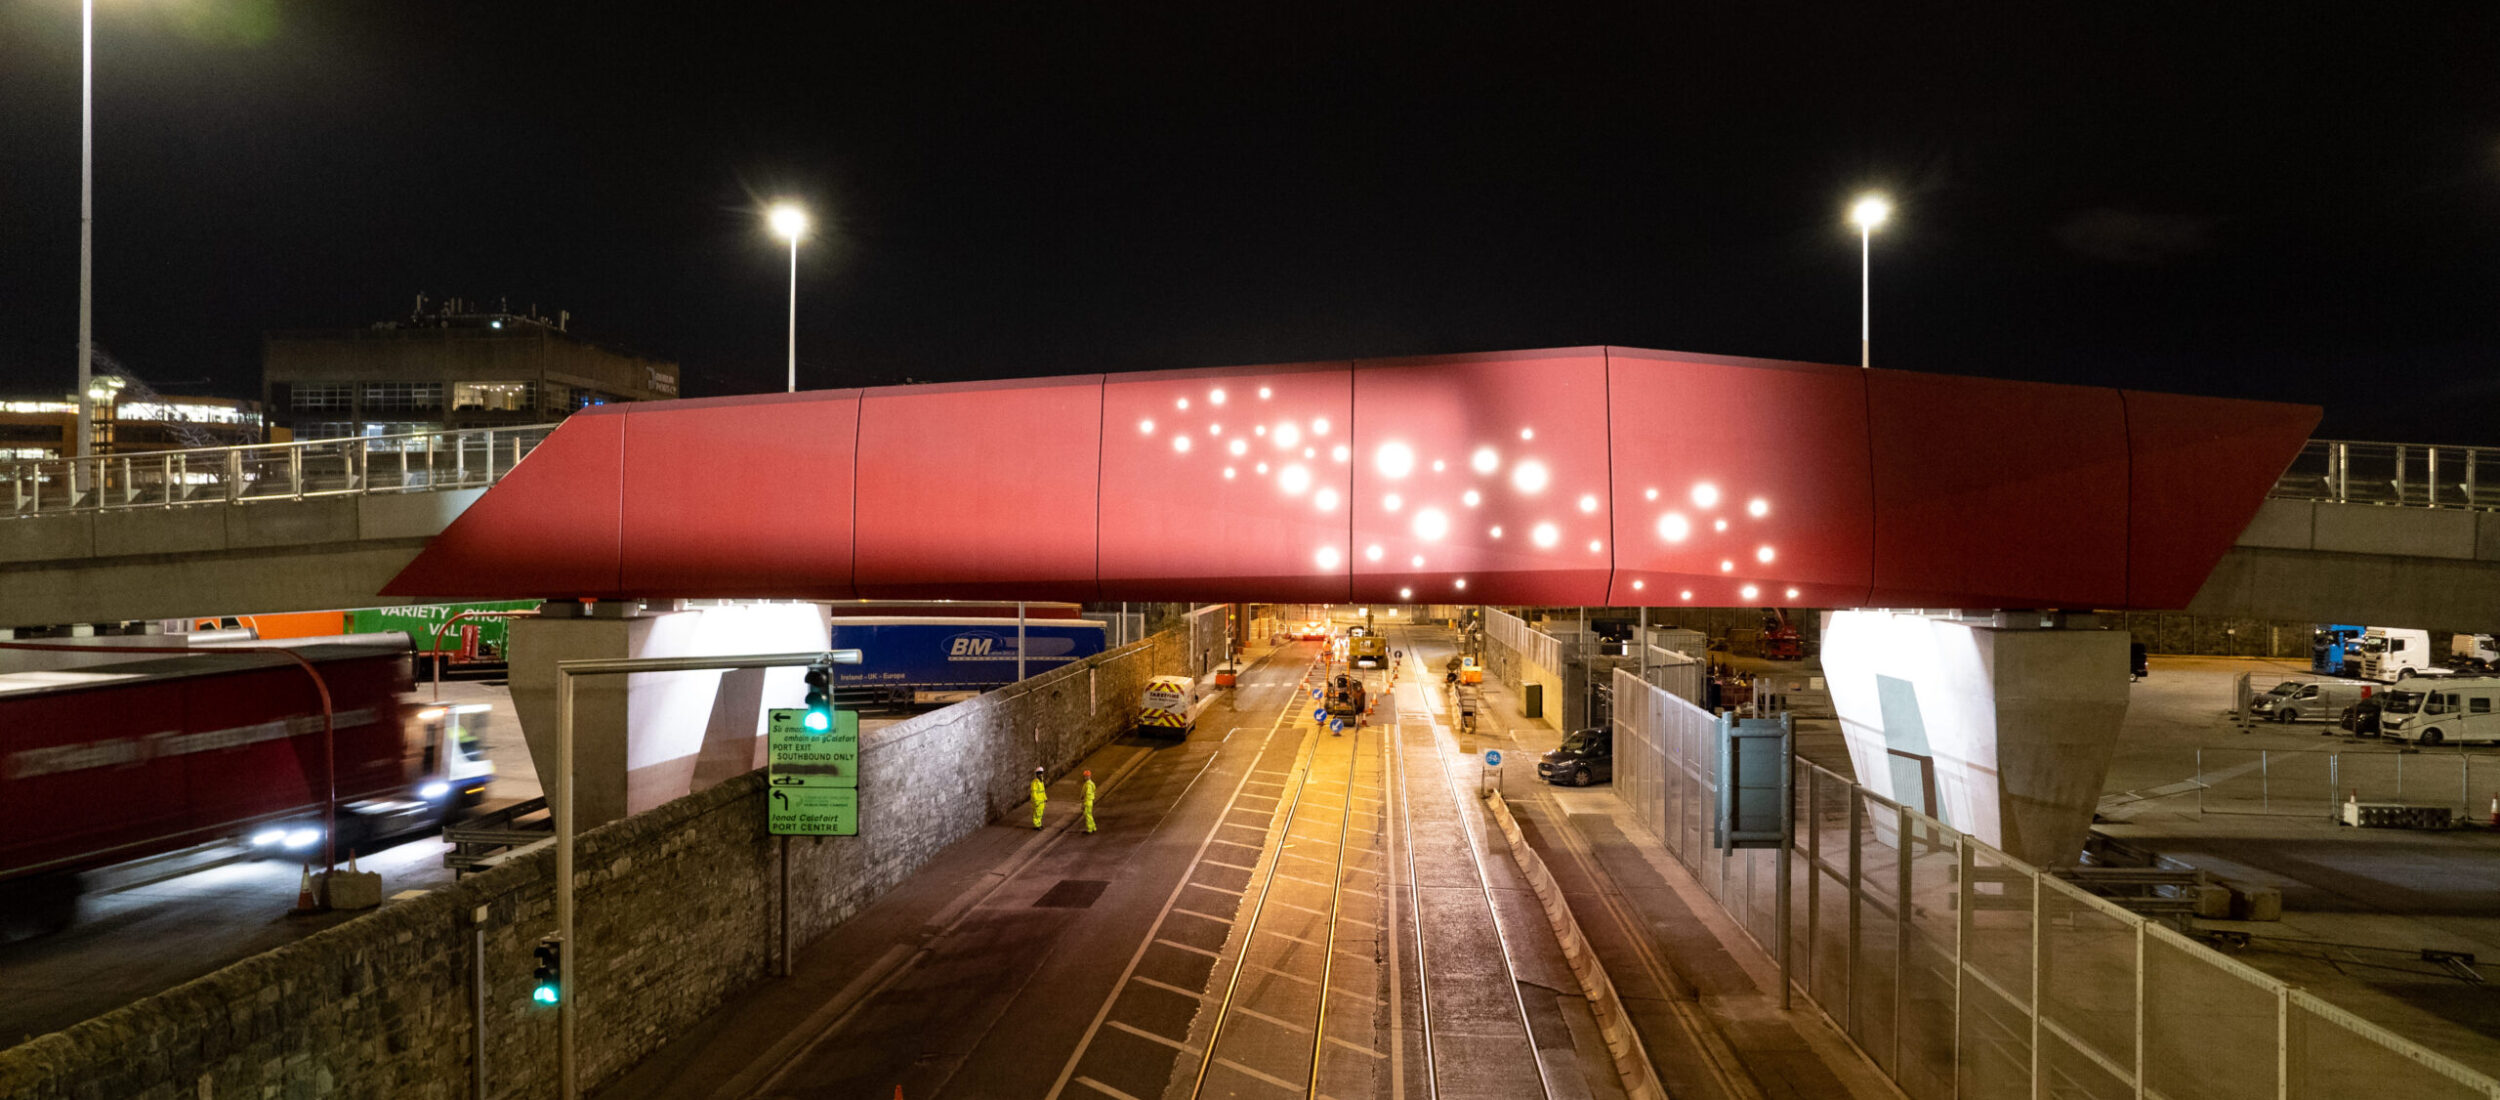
column 2361, row 719
column 1586, row 756
column 2295, row 701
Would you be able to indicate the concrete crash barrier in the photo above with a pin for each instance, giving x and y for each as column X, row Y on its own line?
column 1640, row 1079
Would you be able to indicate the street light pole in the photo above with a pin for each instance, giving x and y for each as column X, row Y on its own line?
column 1870, row 211
column 789, row 222
column 794, row 314
column 86, row 230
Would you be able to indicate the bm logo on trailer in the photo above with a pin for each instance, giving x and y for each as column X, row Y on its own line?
column 977, row 644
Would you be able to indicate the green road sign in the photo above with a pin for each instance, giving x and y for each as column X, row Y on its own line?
column 812, row 811
column 811, row 779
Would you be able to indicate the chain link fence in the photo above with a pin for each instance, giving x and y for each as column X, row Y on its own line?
column 1961, row 971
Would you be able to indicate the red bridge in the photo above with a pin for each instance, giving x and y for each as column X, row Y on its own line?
column 1594, row 475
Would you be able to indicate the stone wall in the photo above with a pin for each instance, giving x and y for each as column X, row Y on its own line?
column 676, row 916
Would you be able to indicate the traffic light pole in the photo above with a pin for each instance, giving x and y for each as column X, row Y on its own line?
column 568, row 1065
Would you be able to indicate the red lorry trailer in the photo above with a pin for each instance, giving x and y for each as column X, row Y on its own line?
column 106, row 762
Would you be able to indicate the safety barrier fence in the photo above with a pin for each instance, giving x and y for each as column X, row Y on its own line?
column 417, row 462
column 1533, row 646
column 2350, row 472
column 2317, row 782
column 1961, row 971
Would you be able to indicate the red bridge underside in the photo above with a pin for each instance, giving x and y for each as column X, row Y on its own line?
column 1598, row 475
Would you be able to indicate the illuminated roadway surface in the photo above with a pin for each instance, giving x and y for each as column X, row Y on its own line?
column 1257, row 897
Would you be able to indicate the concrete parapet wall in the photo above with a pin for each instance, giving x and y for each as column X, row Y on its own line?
column 216, row 559
column 677, row 915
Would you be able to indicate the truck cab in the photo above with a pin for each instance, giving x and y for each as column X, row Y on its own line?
column 2390, row 653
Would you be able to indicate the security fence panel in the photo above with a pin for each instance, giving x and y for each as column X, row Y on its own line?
column 1927, row 1026
column 1830, row 897
column 1995, row 1026
column 2343, row 1056
column 2212, row 1028
column 2087, row 987
column 1876, row 932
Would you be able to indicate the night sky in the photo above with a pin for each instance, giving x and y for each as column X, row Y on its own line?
column 2292, row 201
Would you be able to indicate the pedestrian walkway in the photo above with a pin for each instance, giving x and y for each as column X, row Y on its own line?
column 1703, row 996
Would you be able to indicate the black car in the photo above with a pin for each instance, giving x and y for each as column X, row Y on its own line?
column 1587, row 756
column 2361, row 719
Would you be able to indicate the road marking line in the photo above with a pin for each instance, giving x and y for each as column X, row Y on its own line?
column 1169, row 987
column 1217, row 889
column 1221, row 863
column 1104, row 1089
column 1255, row 1014
column 1283, row 974
column 1142, row 1033
column 1356, row 1047
column 1287, row 936
column 1279, row 1082
column 1186, row 947
column 1203, row 916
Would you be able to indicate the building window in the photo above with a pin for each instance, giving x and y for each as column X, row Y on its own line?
column 492, row 396
column 384, row 396
column 555, row 397
column 325, row 395
column 326, row 429
column 374, row 430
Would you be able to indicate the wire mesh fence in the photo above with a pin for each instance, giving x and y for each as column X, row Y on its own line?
column 1961, row 971
column 2317, row 783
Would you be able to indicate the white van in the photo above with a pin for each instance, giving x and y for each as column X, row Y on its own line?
column 2449, row 710
column 2310, row 701
column 1169, row 708
column 2391, row 653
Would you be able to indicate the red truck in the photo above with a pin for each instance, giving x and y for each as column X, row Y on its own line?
column 117, row 760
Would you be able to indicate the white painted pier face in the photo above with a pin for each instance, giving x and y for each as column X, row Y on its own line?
column 643, row 739
column 2004, row 734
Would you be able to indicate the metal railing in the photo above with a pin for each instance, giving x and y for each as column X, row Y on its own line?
column 414, row 463
column 1961, row 971
column 2349, row 472
column 2316, row 782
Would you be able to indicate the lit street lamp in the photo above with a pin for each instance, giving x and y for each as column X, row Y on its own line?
column 790, row 223
column 1869, row 212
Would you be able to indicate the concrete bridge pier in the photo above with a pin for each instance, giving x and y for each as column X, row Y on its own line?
column 2000, row 724
column 644, row 739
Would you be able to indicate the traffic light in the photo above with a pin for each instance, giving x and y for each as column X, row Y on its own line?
column 819, row 698
column 547, row 982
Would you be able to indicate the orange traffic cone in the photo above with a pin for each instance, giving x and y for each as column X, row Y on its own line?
column 304, row 902
column 2495, row 811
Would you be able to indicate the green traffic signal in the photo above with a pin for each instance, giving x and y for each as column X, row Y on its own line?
column 819, row 699
column 545, row 994
column 819, row 720
column 547, row 982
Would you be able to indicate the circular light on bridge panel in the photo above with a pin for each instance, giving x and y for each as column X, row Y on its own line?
column 1405, row 594
column 1588, row 502
column 1182, row 404
column 1394, row 460
column 1462, row 583
column 1293, row 480
column 1757, row 507
column 1393, row 502
column 1749, row 592
column 1327, row 557
column 1262, row 467
column 1238, row 446
column 1417, row 561
column 1431, row 525
column 1527, row 433
column 1485, row 460
column 1792, row 593
column 1146, row 426
column 1341, row 452
column 1727, row 566
column 1545, row 534
column 1265, row 393
column 1325, row 500
column 1287, row 434
column 1718, row 525
column 1319, row 426
column 1673, row 527
column 1497, row 531
column 1228, row 473
column 1180, row 443
column 1638, row 585
column 1763, row 555
column 1471, row 498
column 1529, row 476
column 1652, row 494
column 1688, row 593
column 1372, row 551
column 1215, row 397
column 1705, row 495
column 1595, row 546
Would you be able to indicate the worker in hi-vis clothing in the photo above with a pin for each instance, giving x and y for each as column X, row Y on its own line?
column 1089, row 800
column 1041, row 794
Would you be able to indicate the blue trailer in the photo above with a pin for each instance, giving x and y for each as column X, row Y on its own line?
column 925, row 660
column 2328, row 646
